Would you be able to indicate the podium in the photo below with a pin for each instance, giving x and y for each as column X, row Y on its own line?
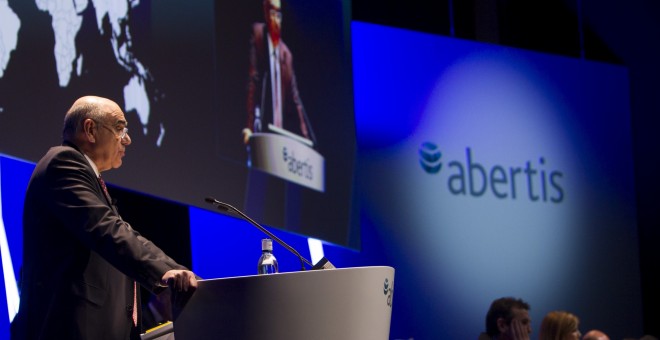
column 348, row 303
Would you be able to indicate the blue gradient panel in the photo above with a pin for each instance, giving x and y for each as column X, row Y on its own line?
column 14, row 177
column 4, row 322
column 493, row 171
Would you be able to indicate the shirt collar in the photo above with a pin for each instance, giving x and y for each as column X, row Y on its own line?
column 91, row 162
column 272, row 48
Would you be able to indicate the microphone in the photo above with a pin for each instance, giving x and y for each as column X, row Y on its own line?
column 227, row 207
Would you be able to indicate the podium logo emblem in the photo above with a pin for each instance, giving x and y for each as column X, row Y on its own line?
column 429, row 158
column 387, row 291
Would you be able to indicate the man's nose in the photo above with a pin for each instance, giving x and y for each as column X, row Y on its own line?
column 126, row 140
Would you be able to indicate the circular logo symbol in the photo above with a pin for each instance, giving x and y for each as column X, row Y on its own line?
column 429, row 158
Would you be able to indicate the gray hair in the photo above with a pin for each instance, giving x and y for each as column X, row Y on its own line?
column 74, row 118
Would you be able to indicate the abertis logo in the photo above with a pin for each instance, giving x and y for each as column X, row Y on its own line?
column 429, row 158
column 469, row 177
column 387, row 291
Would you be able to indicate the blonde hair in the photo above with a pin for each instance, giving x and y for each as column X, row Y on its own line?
column 557, row 325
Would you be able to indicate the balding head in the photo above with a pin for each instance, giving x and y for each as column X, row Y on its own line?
column 595, row 335
column 97, row 126
column 92, row 107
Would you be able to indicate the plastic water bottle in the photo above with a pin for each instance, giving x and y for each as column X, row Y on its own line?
column 267, row 261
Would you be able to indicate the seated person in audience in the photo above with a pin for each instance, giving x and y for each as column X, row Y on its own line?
column 560, row 325
column 595, row 334
column 508, row 319
column 648, row 337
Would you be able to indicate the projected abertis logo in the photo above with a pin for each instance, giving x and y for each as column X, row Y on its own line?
column 532, row 180
column 429, row 158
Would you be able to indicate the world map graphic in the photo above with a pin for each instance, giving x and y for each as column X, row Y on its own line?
column 66, row 17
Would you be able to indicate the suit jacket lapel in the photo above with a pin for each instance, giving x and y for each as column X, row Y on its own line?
column 99, row 189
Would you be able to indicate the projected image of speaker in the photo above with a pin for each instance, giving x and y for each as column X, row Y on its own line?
column 286, row 107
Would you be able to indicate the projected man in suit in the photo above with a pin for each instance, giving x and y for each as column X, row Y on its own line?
column 273, row 96
column 81, row 260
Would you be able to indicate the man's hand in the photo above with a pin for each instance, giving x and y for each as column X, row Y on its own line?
column 247, row 133
column 183, row 284
column 519, row 331
column 180, row 280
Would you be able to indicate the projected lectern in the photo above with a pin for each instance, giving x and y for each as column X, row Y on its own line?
column 349, row 303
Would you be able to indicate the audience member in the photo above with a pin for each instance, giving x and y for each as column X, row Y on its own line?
column 648, row 337
column 560, row 325
column 508, row 319
column 595, row 334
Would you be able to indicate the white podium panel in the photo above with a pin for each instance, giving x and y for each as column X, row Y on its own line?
column 287, row 158
column 348, row 303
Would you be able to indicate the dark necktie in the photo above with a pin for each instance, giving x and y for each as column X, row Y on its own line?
column 105, row 188
column 107, row 195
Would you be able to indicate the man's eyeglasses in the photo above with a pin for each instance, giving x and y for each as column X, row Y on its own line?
column 121, row 134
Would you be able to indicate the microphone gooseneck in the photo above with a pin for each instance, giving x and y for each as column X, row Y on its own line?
column 226, row 207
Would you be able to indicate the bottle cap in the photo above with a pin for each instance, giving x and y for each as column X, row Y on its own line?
column 267, row 244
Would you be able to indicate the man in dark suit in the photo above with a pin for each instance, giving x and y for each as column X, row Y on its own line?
column 81, row 260
column 273, row 96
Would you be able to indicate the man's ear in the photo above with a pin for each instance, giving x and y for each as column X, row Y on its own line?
column 89, row 130
column 502, row 326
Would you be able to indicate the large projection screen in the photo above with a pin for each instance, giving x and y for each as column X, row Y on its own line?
column 181, row 72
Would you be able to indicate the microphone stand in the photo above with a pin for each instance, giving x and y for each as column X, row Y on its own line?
column 227, row 207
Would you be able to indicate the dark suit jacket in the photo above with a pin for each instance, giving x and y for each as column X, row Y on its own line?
column 80, row 258
column 260, row 90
